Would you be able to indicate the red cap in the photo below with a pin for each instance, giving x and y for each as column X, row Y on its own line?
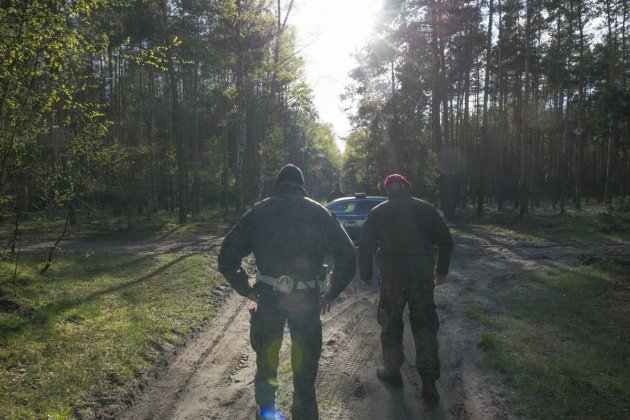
column 396, row 177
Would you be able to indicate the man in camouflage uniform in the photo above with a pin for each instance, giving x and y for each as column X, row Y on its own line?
column 289, row 235
column 406, row 230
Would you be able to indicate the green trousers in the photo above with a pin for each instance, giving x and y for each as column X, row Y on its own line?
column 300, row 310
column 416, row 291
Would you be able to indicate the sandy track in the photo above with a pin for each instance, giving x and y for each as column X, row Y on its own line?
column 212, row 377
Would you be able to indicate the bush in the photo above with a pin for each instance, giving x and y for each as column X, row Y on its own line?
column 617, row 218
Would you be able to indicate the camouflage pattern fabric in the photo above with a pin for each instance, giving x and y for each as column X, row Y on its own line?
column 417, row 292
column 407, row 230
column 289, row 234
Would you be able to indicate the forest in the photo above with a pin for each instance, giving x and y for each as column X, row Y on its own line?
column 496, row 101
column 133, row 133
column 154, row 105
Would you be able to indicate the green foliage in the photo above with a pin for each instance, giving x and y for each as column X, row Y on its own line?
column 617, row 218
column 322, row 160
column 517, row 89
column 368, row 159
column 52, row 140
column 355, row 170
column 544, row 222
column 74, row 338
column 86, row 117
column 487, row 341
column 557, row 339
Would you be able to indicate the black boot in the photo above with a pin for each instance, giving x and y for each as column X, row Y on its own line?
column 391, row 377
column 429, row 391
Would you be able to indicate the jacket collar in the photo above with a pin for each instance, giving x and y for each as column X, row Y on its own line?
column 399, row 194
column 290, row 188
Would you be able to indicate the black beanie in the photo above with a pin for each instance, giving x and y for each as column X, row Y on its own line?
column 290, row 173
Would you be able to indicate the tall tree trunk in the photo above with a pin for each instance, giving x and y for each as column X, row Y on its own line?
column 195, row 135
column 525, row 126
column 481, row 186
column 225, row 150
column 613, row 125
column 176, row 120
column 579, row 146
column 436, row 102
column 465, row 130
column 241, row 125
column 502, row 122
column 609, row 158
column 152, row 194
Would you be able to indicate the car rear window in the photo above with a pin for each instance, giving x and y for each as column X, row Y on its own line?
column 343, row 207
column 364, row 207
column 354, row 207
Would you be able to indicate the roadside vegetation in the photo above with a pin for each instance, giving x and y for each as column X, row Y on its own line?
column 558, row 338
column 81, row 336
column 617, row 218
column 593, row 223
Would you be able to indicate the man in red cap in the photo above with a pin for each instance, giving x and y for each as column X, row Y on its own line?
column 406, row 230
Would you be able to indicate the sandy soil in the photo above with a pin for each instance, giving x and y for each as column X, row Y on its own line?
column 212, row 377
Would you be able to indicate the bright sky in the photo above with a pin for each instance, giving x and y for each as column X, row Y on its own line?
column 330, row 32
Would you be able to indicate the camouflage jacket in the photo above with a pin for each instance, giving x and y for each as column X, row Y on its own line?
column 404, row 228
column 289, row 234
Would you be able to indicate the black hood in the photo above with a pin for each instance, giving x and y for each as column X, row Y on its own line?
column 290, row 173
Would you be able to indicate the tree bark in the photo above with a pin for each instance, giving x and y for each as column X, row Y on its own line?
column 525, row 130
column 481, row 186
column 176, row 121
column 195, row 134
column 241, row 126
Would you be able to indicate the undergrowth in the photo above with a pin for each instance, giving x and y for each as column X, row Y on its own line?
column 73, row 340
column 559, row 339
column 617, row 216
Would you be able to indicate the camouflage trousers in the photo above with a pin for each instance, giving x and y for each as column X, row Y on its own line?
column 395, row 294
column 300, row 310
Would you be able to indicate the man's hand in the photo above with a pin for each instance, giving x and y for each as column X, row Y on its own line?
column 324, row 305
column 439, row 279
column 252, row 297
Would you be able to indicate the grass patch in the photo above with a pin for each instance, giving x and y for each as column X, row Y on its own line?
column 100, row 224
column 544, row 222
column 75, row 338
column 560, row 340
column 487, row 341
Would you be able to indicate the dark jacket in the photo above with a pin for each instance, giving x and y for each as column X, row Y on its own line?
column 289, row 234
column 405, row 229
column 335, row 194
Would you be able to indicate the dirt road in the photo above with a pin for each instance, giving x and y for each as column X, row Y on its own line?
column 211, row 378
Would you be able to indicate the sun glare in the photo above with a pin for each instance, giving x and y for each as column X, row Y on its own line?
column 335, row 28
column 330, row 31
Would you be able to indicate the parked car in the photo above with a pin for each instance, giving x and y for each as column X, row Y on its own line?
column 352, row 212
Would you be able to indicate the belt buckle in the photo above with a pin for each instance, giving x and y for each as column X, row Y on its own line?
column 284, row 284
